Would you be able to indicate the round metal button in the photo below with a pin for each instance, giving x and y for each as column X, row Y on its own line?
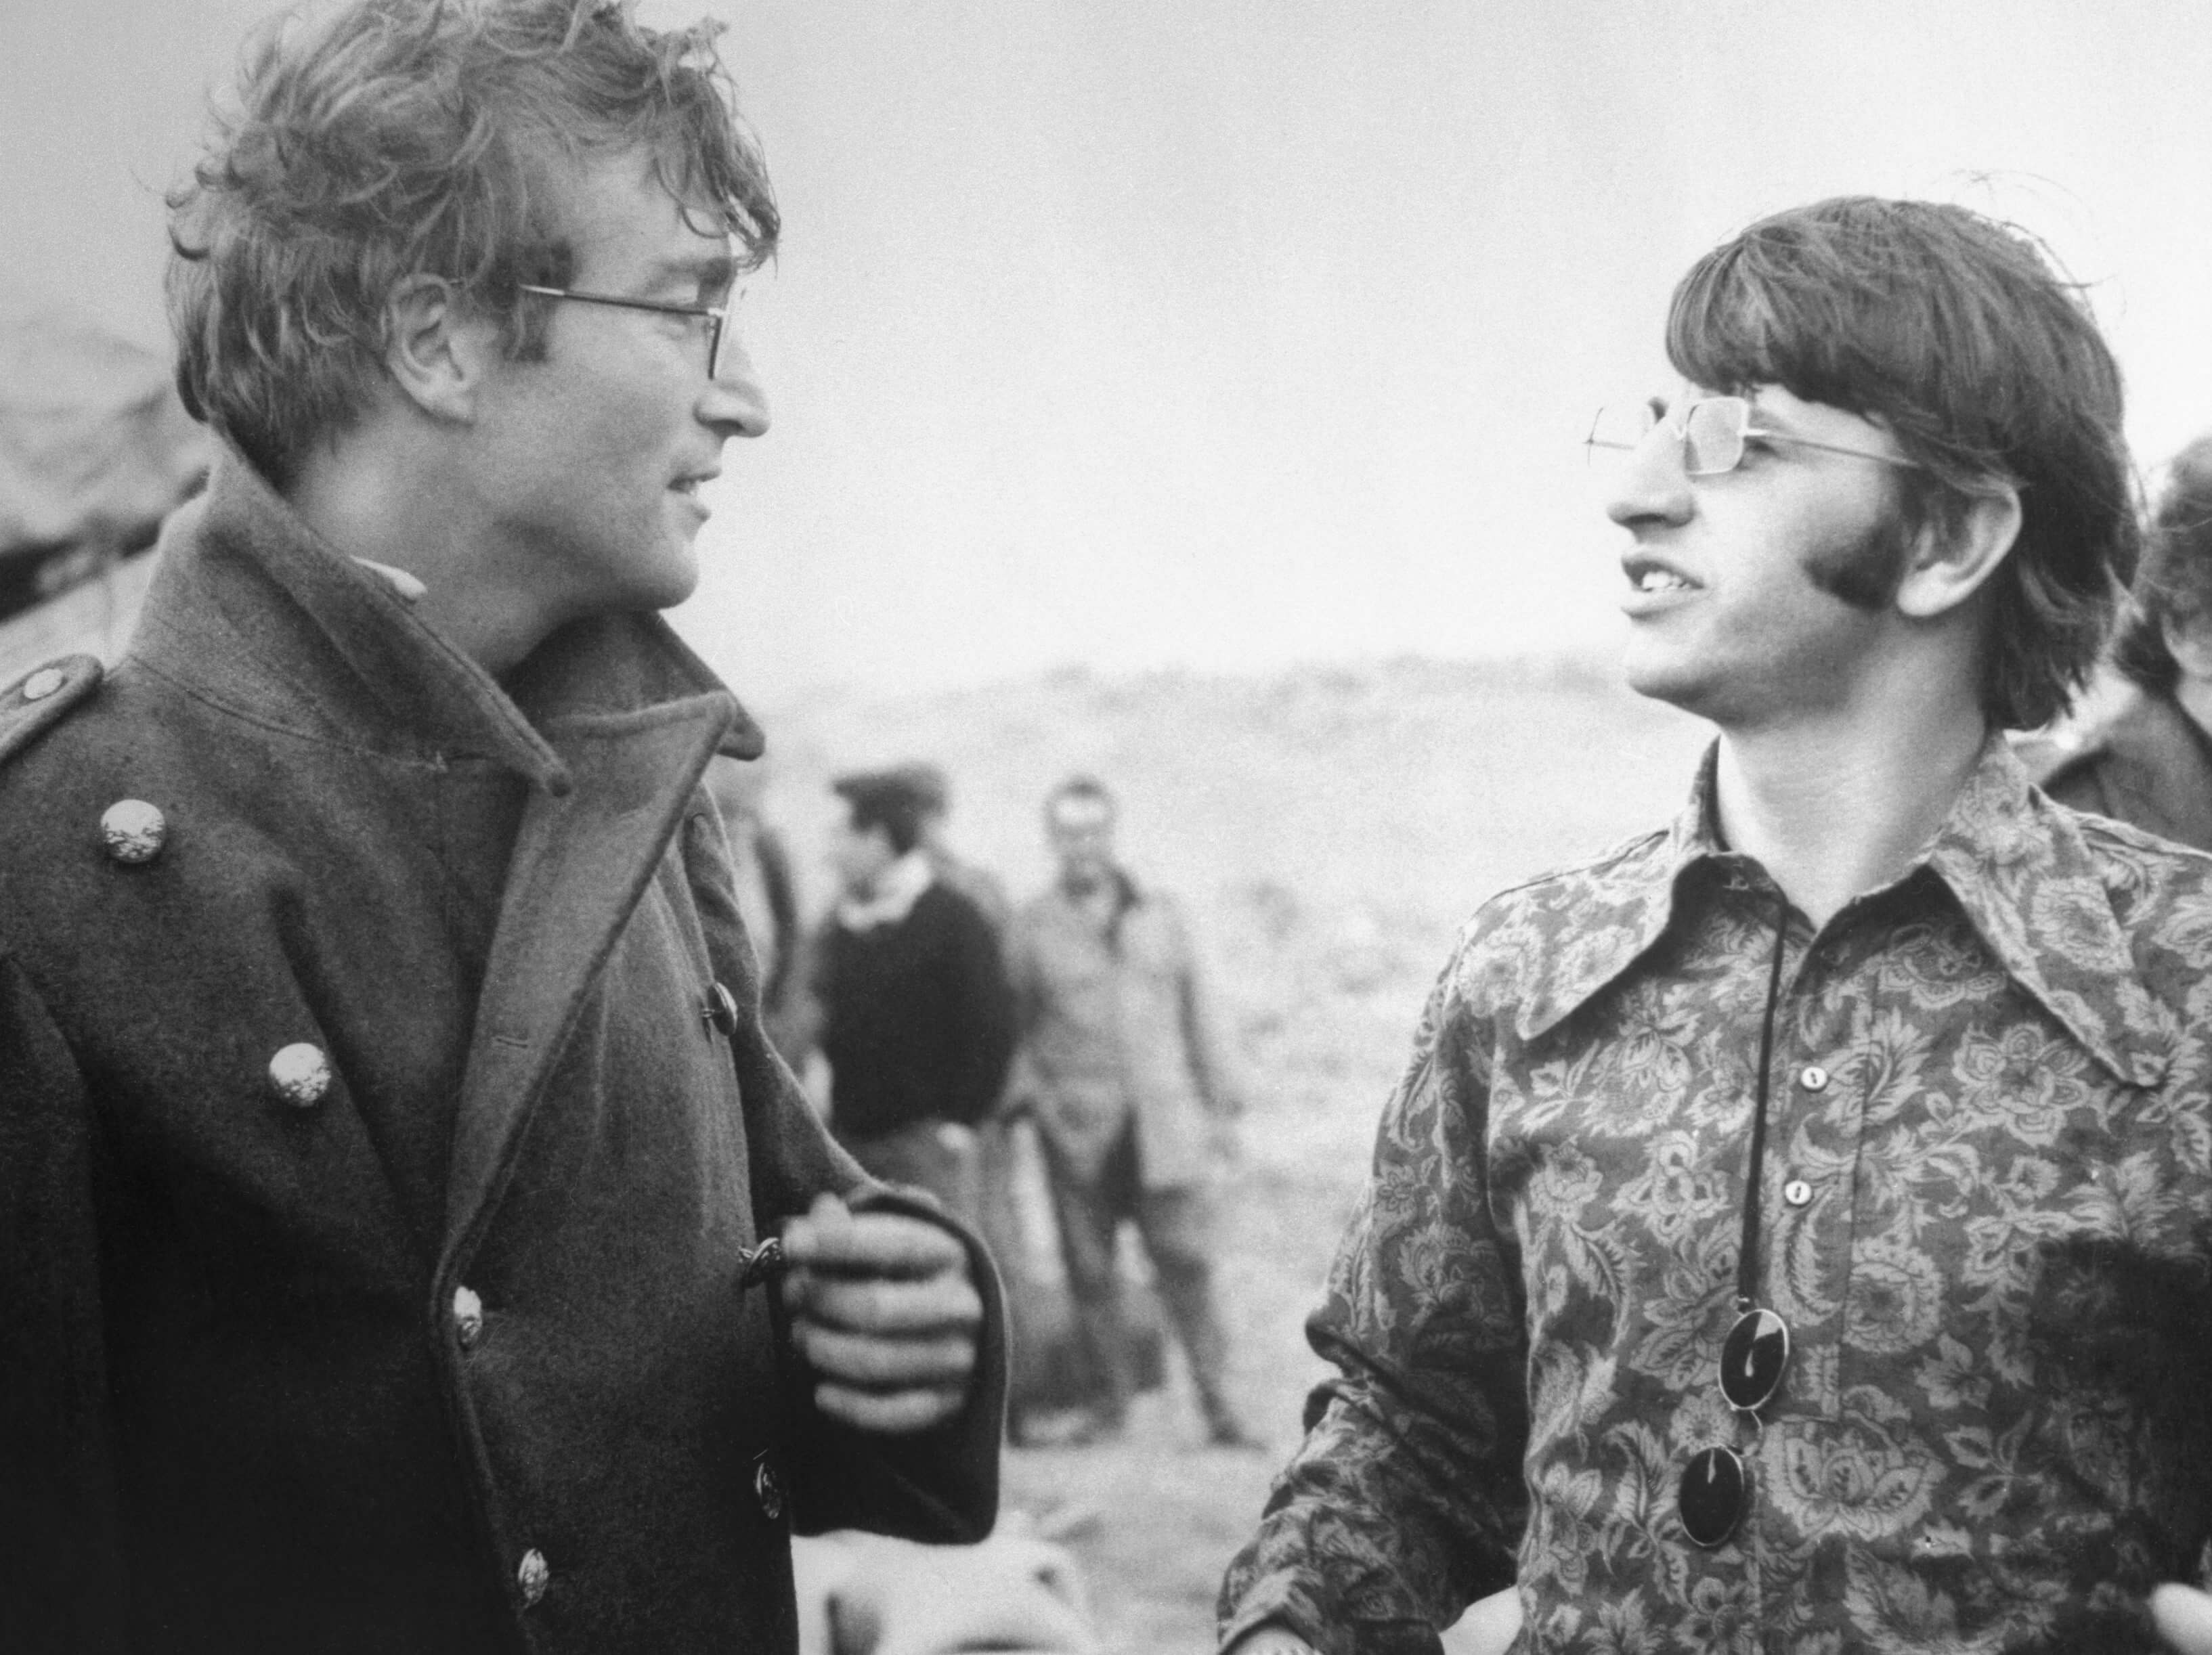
column 1813, row 1077
column 43, row 683
column 468, row 1317
column 768, row 1489
column 135, row 831
column 721, row 1010
column 1796, row 1192
column 533, row 1574
column 301, row 1074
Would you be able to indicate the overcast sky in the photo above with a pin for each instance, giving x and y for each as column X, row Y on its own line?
column 1228, row 332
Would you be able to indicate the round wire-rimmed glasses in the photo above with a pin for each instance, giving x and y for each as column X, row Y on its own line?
column 1715, row 1492
column 716, row 316
column 1713, row 432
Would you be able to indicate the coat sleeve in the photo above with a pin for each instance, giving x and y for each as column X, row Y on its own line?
column 61, row 1575
column 937, row 1485
column 1404, row 1501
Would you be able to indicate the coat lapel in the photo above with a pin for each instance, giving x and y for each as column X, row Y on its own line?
column 633, row 716
column 580, row 864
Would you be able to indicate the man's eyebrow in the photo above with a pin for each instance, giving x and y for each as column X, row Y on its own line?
column 713, row 271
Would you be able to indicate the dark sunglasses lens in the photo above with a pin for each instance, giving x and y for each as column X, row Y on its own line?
column 1752, row 1360
column 1711, row 1497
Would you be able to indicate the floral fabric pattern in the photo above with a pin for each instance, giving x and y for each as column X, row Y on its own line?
column 1989, row 1107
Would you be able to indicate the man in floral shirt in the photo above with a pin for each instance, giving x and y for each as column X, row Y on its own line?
column 1792, row 1231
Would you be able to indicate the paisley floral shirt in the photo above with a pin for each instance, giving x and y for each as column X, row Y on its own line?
column 1986, row 1189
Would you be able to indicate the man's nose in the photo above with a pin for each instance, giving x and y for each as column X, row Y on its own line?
column 734, row 401
column 1650, row 483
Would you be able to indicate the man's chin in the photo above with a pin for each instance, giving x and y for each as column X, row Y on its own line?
column 1672, row 681
column 673, row 577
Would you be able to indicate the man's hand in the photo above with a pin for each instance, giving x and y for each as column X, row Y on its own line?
column 2184, row 1616
column 884, row 1311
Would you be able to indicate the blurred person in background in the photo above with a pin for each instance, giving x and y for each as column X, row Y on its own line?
column 916, row 1017
column 408, row 1241
column 977, row 884
column 1132, row 1088
column 2148, row 760
column 768, row 898
column 1791, row 1232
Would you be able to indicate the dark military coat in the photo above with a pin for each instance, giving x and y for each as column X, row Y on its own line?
column 382, row 1172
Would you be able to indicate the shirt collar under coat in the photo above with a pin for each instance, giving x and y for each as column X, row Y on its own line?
column 2015, row 863
column 255, row 611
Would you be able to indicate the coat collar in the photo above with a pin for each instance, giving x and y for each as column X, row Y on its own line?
column 2016, row 866
column 255, row 611
column 611, row 720
column 896, row 890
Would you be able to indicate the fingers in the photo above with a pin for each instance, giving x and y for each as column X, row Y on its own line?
column 885, row 1310
column 2183, row 1618
column 830, row 1237
column 894, row 1413
column 863, row 1361
column 885, row 1306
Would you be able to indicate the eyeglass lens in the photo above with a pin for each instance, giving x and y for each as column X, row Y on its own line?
column 1716, row 1487
column 1712, row 435
column 1712, row 431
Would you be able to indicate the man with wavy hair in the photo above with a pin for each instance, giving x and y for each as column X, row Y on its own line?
column 408, row 1239
column 1791, row 1232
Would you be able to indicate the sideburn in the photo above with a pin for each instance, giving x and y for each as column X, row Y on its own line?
column 1866, row 575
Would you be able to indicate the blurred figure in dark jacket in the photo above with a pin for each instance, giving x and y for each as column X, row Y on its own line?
column 978, row 884
column 2149, row 760
column 916, row 1018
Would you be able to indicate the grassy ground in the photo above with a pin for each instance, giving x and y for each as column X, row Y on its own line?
column 1330, row 828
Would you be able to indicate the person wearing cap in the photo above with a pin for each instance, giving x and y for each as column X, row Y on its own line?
column 408, row 1240
column 916, row 1019
column 1790, row 1231
column 975, row 883
column 2148, row 759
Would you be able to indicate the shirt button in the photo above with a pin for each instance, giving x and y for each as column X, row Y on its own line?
column 533, row 1574
column 468, row 1317
column 1813, row 1077
column 721, row 1010
column 42, row 683
column 301, row 1074
column 1796, row 1192
column 768, row 1489
column 135, row 831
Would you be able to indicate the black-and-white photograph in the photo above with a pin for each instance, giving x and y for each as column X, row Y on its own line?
column 1198, row 827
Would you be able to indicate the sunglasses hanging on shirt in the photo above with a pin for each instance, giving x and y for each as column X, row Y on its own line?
column 1715, row 1492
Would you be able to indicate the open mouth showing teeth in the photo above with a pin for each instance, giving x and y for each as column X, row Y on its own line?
column 1660, row 580
column 685, row 486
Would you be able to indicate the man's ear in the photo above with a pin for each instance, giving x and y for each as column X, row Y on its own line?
column 1949, row 563
column 436, row 349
